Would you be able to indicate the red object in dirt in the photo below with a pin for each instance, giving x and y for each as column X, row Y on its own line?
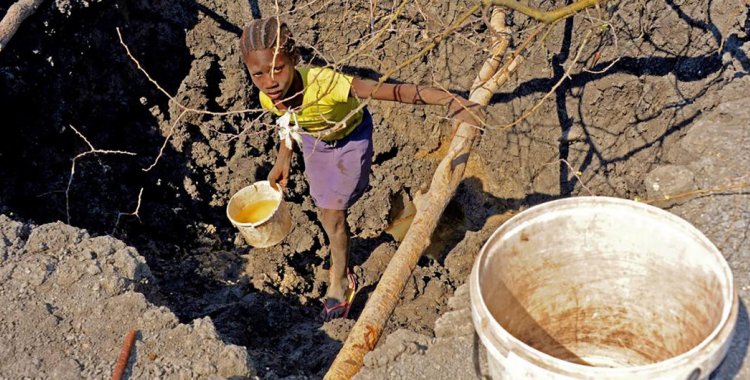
column 122, row 360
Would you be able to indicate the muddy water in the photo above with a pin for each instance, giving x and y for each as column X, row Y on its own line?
column 256, row 211
column 448, row 232
column 402, row 221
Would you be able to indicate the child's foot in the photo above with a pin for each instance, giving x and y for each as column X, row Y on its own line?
column 338, row 301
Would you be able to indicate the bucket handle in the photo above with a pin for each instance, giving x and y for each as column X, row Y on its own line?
column 695, row 375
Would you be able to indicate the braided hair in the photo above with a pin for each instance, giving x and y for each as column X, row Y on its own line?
column 261, row 34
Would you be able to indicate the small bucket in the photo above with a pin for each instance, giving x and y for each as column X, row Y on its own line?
column 602, row 288
column 260, row 213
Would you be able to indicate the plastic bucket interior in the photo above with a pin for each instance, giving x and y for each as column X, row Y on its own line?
column 602, row 288
column 268, row 231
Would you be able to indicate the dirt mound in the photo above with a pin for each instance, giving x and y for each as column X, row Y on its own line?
column 70, row 300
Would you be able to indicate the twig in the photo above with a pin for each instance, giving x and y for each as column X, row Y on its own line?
column 134, row 213
column 172, row 98
column 546, row 17
column 611, row 28
column 185, row 109
column 513, row 62
column 166, row 140
column 735, row 188
column 576, row 173
column 73, row 166
column 277, row 45
column 554, row 88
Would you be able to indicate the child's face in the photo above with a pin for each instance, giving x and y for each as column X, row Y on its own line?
column 273, row 77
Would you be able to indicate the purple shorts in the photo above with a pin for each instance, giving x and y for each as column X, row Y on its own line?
column 339, row 171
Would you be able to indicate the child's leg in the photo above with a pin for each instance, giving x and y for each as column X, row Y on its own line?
column 334, row 223
column 338, row 174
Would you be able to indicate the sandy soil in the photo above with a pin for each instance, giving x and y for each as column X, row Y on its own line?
column 79, row 267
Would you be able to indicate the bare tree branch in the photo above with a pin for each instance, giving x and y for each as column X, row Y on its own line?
column 134, row 213
column 91, row 151
column 546, row 17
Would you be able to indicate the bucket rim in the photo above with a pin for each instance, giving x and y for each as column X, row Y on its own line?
column 729, row 310
column 247, row 188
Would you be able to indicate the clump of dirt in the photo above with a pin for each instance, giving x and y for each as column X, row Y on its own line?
column 72, row 297
column 601, row 130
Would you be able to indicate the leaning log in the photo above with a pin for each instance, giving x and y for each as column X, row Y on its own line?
column 430, row 206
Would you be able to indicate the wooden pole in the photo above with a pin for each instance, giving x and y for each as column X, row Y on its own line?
column 430, row 206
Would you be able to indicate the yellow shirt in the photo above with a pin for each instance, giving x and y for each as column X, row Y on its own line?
column 325, row 102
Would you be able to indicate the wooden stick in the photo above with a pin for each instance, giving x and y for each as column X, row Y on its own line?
column 13, row 18
column 369, row 326
column 546, row 17
column 122, row 360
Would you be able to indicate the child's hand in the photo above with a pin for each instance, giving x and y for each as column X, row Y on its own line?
column 280, row 171
column 279, row 175
column 466, row 111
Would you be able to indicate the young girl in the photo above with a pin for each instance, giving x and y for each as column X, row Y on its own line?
column 336, row 134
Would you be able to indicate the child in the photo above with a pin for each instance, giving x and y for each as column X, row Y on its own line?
column 336, row 134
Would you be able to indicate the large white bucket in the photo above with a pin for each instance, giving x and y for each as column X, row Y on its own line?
column 266, row 231
column 602, row 288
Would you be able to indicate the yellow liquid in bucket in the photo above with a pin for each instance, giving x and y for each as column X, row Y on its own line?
column 256, row 211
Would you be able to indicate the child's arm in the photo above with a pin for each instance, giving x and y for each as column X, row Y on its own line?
column 280, row 171
column 459, row 108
